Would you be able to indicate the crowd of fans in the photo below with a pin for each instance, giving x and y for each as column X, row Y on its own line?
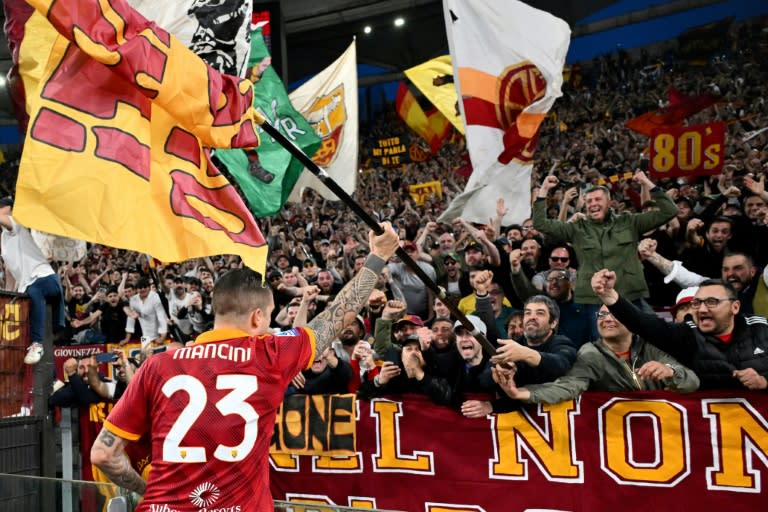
column 571, row 296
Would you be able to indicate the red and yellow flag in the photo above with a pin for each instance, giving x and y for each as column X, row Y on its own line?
column 411, row 112
column 117, row 147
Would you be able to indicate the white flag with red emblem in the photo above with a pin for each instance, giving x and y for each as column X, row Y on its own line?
column 329, row 102
column 507, row 65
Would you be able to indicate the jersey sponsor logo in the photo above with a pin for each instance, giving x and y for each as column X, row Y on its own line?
column 204, row 495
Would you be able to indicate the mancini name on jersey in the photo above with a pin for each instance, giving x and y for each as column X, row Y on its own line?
column 214, row 351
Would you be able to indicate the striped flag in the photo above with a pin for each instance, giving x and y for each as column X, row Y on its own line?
column 434, row 79
column 508, row 62
column 413, row 115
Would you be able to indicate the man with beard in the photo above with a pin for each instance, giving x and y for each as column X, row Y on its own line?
column 112, row 316
column 443, row 337
column 738, row 269
column 178, row 302
column 725, row 348
column 575, row 323
column 531, row 254
column 348, row 338
column 542, row 355
column 705, row 255
column 618, row 361
column 605, row 238
column 329, row 287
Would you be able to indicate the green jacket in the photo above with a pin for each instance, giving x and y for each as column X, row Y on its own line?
column 597, row 368
column 610, row 244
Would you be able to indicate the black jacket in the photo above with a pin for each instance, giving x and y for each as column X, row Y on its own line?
column 711, row 359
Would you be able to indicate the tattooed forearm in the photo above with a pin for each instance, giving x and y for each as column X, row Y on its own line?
column 108, row 455
column 348, row 302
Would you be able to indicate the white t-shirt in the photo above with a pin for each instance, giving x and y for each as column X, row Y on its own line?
column 22, row 256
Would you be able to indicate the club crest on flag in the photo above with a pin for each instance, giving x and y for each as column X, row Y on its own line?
column 327, row 115
column 508, row 62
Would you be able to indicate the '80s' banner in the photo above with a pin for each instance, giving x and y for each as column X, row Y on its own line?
column 603, row 452
column 687, row 150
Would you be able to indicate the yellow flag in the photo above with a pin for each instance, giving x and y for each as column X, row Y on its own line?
column 434, row 79
column 117, row 146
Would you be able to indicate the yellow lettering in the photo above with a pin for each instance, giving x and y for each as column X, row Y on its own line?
column 362, row 503
column 552, row 449
column 689, row 151
column 388, row 457
column 444, row 507
column 625, row 460
column 663, row 160
column 284, row 461
column 742, row 434
column 712, row 152
column 11, row 329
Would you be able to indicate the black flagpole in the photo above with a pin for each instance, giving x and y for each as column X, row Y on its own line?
column 374, row 225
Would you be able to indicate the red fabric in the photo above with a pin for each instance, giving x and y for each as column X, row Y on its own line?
column 17, row 12
column 354, row 383
column 598, row 435
column 673, row 114
column 211, row 419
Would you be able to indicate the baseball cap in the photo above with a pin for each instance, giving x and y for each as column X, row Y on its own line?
column 475, row 321
column 409, row 319
column 411, row 338
column 473, row 246
column 453, row 255
column 6, row 201
column 685, row 296
column 325, row 241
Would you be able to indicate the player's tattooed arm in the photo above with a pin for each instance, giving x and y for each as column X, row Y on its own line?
column 328, row 324
column 108, row 454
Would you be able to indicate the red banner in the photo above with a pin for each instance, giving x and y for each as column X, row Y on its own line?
column 687, row 150
column 705, row 451
column 15, row 380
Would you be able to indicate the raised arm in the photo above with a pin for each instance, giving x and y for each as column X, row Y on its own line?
column 353, row 296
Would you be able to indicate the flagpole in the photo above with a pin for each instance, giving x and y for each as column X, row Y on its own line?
column 334, row 187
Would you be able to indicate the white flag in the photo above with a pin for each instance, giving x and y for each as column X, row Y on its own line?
column 507, row 65
column 329, row 102
column 218, row 32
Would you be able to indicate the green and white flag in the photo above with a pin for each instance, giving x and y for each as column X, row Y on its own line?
column 267, row 175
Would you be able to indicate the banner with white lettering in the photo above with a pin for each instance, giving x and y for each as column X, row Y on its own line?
column 704, row 451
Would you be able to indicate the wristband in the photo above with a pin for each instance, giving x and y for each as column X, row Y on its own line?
column 374, row 263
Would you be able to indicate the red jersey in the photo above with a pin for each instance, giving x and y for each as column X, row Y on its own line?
column 210, row 412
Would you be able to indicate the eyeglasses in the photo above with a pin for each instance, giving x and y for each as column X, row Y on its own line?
column 603, row 314
column 527, row 228
column 553, row 279
column 450, row 262
column 709, row 302
column 562, row 259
